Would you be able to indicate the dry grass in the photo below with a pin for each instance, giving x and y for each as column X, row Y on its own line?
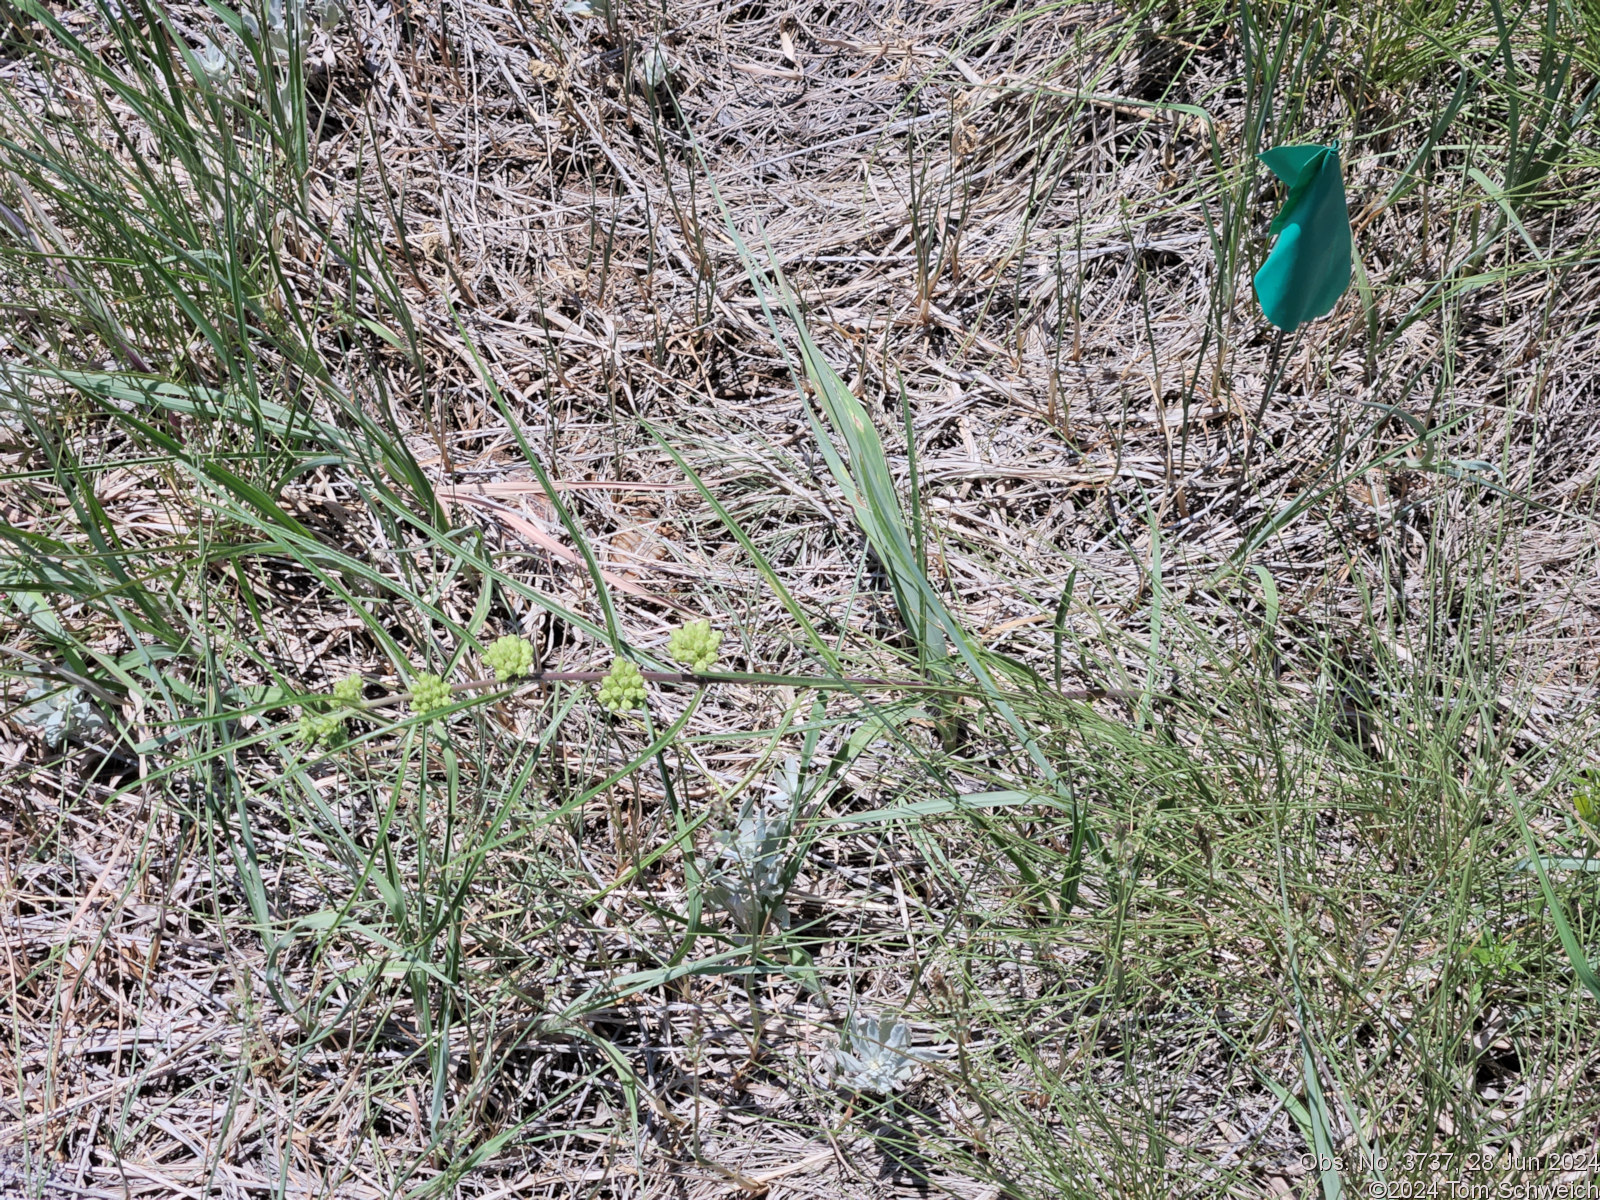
column 1335, row 607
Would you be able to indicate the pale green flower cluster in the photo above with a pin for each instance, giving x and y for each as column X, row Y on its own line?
column 623, row 688
column 509, row 657
column 429, row 694
column 695, row 645
column 326, row 728
column 321, row 729
column 347, row 691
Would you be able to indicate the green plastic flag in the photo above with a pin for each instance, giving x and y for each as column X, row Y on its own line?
column 1309, row 269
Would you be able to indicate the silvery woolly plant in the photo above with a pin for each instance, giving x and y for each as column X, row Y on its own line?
column 217, row 68
column 874, row 1055
column 653, row 67
column 786, row 787
column 276, row 34
column 328, row 14
column 59, row 713
column 287, row 21
column 746, row 881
